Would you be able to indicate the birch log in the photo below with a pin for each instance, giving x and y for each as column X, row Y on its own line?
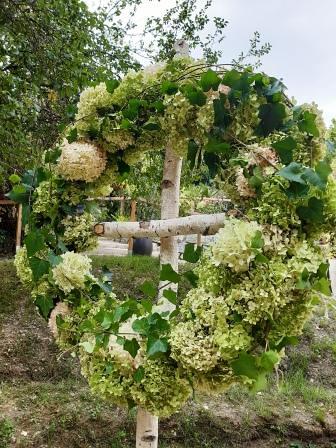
column 188, row 225
column 170, row 198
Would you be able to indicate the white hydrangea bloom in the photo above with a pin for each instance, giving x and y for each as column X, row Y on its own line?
column 72, row 271
column 90, row 99
column 232, row 245
column 81, row 161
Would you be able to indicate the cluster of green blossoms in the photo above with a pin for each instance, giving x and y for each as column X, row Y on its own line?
column 257, row 283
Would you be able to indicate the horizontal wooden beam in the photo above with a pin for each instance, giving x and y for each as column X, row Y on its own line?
column 188, row 225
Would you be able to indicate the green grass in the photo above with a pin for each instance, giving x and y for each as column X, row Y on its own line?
column 6, row 431
column 130, row 272
column 11, row 291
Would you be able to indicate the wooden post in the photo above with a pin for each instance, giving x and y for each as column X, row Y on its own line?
column 122, row 206
column 133, row 219
column 18, row 227
column 147, row 424
column 199, row 239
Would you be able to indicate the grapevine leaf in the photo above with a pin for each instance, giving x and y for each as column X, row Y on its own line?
column 151, row 125
column 313, row 212
column 131, row 346
column 168, row 273
column 284, row 148
column 45, row 304
column 257, row 241
column 194, row 95
column 272, row 116
column 139, row 374
column 72, row 136
column 156, row 347
column 323, row 286
column 268, row 360
column 222, row 117
column 141, row 326
column 147, row 305
column 192, row 277
column 293, row 172
column 111, row 85
column 149, row 289
column 14, row 179
column 307, row 123
column 213, row 145
column 169, row 87
column 170, row 295
column 39, row 267
column 209, row 80
column 245, row 365
column 191, row 254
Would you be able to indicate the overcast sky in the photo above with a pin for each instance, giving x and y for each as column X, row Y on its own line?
column 302, row 34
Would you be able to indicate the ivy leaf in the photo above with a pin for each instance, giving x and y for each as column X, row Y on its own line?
column 313, row 212
column 194, row 95
column 191, row 254
column 131, row 346
column 45, row 304
column 293, row 172
column 307, row 123
column 209, row 80
column 169, row 87
column 156, row 347
column 168, row 273
column 111, row 85
column 284, row 148
column 72, row 136
column 39, row 267
column 139, row 374
column 272, row 116
column 149, row 289
column 170, row 295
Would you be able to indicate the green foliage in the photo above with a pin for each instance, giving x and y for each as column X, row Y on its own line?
column 254, row 287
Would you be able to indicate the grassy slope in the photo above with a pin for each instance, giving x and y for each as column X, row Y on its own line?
column 44, row 402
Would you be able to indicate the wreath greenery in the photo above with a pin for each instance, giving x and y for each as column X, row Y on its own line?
column 253, row 289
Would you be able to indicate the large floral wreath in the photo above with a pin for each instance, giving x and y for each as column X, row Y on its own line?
column 257, row 284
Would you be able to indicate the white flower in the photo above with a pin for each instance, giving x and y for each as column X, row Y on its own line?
column 232, row 245
column 71, row 273
column 81, row 161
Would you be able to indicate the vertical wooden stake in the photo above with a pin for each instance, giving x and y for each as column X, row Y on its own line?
column 133, row 219
column 18, row 227
column 199, row 239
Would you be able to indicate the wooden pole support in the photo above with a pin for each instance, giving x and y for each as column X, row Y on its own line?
column 133, row 219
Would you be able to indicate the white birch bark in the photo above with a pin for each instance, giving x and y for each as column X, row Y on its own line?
column 147, row 424
column 188, row 225
column 147, row 429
